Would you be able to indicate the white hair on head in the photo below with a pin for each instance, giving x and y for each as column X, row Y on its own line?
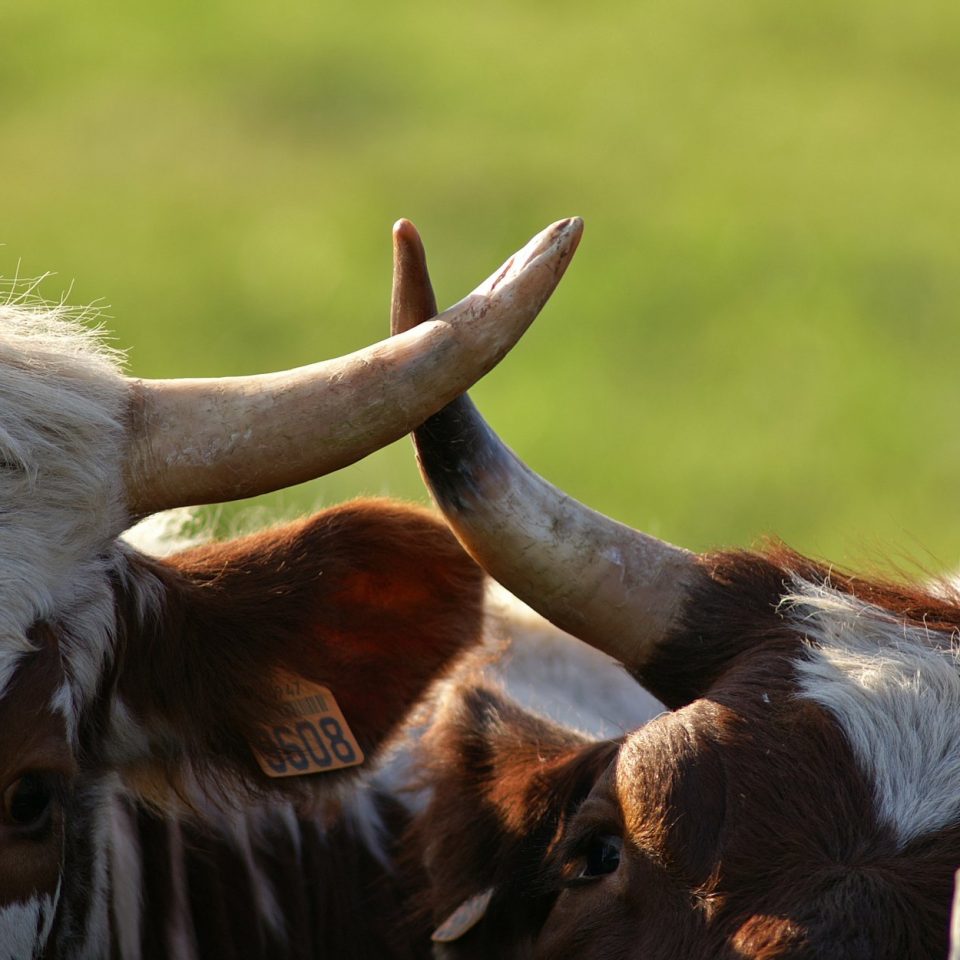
column 40, row 330
column 894, row 689
column 63, row 402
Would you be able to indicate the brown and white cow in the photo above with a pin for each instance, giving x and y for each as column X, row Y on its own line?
column 135, row 818
column 801, row 799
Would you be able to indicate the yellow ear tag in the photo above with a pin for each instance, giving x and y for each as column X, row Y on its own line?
column 463, row 919
column 310, row 735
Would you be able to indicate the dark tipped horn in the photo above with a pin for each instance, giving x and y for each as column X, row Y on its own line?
column 616, row 588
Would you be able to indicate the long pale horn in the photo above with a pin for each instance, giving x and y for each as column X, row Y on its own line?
column 615, row 588
column 206, row 441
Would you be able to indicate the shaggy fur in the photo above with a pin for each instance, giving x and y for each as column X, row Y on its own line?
column 135, row 818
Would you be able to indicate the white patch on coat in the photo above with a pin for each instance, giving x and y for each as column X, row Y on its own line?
column 362, row 817
column 126, row 740
column 25, row 927
column 86, row 629
column 242, row 829
column 551, row 673
column 180, row 934
column 126, row 880
column 65, row 704
column 287, row 816
column 96, row 930
column 895, row 691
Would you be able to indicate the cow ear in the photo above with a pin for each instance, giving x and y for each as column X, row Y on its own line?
column 286, row 657
column 503, row 782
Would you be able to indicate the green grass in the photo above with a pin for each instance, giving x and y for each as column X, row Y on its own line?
column 758, row 335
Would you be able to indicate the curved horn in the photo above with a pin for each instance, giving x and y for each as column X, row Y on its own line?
column 615, row 588
column 205, row 441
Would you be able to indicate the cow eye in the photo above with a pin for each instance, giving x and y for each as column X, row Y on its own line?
column 28, row 801
column 602, row 856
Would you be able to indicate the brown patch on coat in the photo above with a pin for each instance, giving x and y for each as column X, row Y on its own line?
column 504, row 783
column 371, row 599
column 33, row 740
column 749, row 832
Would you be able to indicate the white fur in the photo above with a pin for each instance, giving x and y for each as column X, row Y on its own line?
column 62, row 409
column 180, row 934
column 96, row 929
column 62, row 405
column 545, row 670
column 126, row 878
column 363, row 818
column 65, row 703
column 25, row 926
column 288, row 817
column 127, row 739
column 895, row 691
column 86, row 628
column 48, row 913
column 242, row 830
column 162, row 534
column 549, row 672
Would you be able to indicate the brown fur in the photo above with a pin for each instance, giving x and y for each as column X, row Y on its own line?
column 734, row 609
column 748, row 830
column 371, row 599
column 337, row 899
column 32, row 739
column 504, row 784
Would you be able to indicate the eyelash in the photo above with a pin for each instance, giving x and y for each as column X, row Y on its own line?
column 595, row 855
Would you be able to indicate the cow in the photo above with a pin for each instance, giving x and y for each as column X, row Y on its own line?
column 799, row 798
column 180, row 737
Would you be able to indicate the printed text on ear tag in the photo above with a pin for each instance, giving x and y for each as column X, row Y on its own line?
column 310, row 735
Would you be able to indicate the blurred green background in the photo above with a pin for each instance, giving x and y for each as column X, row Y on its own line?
column 758, row 335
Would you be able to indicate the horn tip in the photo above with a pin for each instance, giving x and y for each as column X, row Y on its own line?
column 571, row 229
column 404, row 229
column 406, row 241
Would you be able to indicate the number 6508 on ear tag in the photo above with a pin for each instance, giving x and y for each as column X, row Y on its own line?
column 311, row 734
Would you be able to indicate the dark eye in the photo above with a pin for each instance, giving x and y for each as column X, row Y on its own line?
column 602, row 856
column 27, row 802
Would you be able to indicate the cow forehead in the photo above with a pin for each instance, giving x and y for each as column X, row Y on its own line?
column 863, row 720
column 62, row 409
column 712, row 789
column 670, row 783
column 894, row 690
